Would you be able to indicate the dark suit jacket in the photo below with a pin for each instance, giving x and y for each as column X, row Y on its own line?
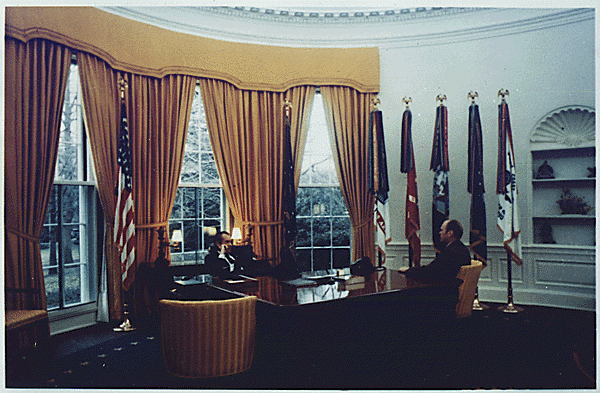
column 446, row 264
column 218, row 267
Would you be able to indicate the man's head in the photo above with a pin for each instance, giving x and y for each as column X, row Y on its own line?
column 450, row 231
column 223, row 238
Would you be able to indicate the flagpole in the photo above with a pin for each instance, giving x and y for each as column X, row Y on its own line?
column 478, row 244
column 126, row 325
column 509, row 307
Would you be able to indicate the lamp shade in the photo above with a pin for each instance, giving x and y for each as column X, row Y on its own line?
column 177, row 236
column 236, row 234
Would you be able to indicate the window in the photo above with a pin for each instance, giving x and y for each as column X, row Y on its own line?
column 323, row 221
column 199, row 207
column 68, row 241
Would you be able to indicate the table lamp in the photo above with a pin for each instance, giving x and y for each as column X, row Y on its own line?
column 236, row 235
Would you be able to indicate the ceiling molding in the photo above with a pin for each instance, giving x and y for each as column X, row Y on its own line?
column 402, row 28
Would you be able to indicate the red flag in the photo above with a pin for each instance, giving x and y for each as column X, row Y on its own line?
column 412, row 222
column 124, row 230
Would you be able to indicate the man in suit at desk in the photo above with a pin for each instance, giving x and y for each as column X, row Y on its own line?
column 219, row 261
column 447, row 263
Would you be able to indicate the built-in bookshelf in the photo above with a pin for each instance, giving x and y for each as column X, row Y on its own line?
column 564, row 179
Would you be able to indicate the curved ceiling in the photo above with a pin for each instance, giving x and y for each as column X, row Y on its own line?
column 356, row 27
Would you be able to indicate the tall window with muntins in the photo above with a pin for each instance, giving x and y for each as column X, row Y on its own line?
column 199, row 207
column 68, row 241
column 323, row 221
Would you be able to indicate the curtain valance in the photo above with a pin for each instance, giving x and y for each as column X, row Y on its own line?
column 144, row 49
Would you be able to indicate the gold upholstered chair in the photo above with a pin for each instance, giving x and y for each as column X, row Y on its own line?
column 466, row 291
column 208, row 338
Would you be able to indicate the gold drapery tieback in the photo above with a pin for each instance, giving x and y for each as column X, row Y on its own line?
column 362, row 224
column 152, row 225
column 22, row 235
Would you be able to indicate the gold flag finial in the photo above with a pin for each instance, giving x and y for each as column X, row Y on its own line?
column 503, row 93
column 288, row 106
column 441, row 98
column 122, row 86
column 472, row 95
column 375, row 101
column 407, row 101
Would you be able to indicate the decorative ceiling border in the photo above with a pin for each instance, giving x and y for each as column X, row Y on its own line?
column 339, row 17
column 398, row 39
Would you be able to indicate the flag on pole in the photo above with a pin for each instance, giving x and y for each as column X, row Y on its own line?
column 124, row 230
column 412, row 222
column 378, row 183
column 506, row 187
column 440, row 165
column 289, row 190
column 477, row 238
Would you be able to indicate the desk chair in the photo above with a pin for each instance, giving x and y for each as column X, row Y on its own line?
column 466, row 291
column 208, row 338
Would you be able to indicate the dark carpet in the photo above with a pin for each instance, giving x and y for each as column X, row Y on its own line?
column 539, row 348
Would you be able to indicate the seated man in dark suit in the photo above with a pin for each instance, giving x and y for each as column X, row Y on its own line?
column 447, row 263
column 219, row 261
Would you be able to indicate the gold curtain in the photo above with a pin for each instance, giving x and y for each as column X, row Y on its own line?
column 158, row 113
column 347, row 113
column 246, row 132
column 36, row 76
column 101, row 107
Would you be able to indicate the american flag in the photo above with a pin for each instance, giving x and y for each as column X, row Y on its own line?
column 124, row 230
column 379, row 184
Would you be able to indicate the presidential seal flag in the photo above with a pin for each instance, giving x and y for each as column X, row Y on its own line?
column 124, row 229
column 477, row 238
column 441, row 167
column 378, row 183
column 506, row 187
column 412, row 222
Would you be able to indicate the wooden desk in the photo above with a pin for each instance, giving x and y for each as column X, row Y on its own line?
column 350, row 307
column 328, row 287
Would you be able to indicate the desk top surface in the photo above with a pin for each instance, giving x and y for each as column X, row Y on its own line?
column 323, row 286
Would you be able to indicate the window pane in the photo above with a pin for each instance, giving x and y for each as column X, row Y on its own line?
column 211, row 204
column 71, row 204
column 177, row 211
column 72, row 285
column 304, row 232
column 189, row 203
column 70, row 150
column 189, row 169
column 340, row 231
